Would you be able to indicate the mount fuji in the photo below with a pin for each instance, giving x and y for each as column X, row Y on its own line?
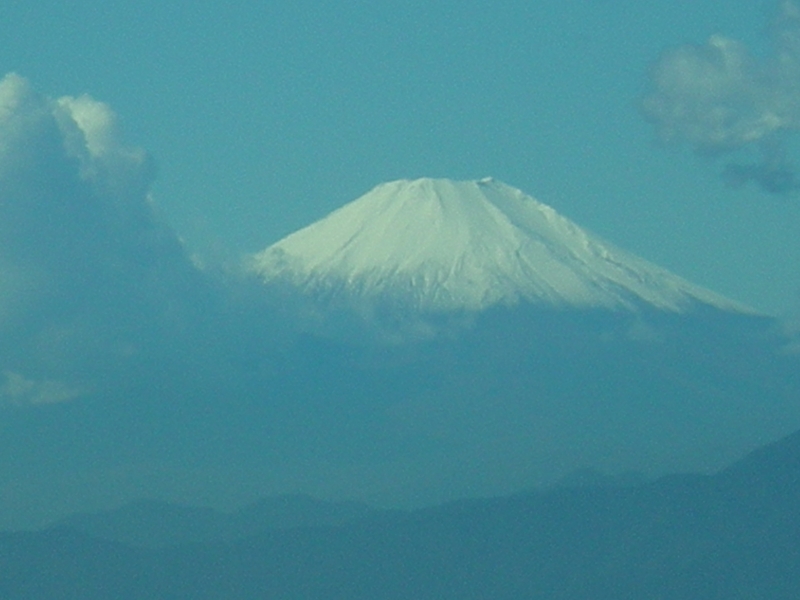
column 437, row 246
column 466, row 339
column 433, row 340
column 430, row 341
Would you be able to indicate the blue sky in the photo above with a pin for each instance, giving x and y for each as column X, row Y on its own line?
column 263, row 117
column 126, row 372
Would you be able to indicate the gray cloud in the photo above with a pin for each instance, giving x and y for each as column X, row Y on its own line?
column 90, row 278
column 720, row 98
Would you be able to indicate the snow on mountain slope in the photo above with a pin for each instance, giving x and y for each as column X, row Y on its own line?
column 441, row 245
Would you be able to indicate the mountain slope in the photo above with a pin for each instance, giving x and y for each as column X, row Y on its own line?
column 441, row 245
column 731, row 535
column 535, row 349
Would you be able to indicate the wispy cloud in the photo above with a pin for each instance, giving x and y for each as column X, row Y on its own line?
column 720, row 98
column 18, row 390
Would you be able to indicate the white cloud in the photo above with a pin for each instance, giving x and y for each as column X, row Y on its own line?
column 20, row 391
column 95, row 120
column 712, row 97
column 91, row 135
column 719, row 98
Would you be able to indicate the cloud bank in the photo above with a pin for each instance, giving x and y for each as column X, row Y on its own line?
column 90, row 278
column 720, row 98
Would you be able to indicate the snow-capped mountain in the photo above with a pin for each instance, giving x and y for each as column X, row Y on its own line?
column 436, row 245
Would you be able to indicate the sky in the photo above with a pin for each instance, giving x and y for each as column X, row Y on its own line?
column 259, row 118
column 140, row 141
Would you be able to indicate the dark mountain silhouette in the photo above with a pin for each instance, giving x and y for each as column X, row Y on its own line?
column 735, row 534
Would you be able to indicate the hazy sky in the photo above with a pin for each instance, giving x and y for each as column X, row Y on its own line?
column 668, row 128
column 263, row 117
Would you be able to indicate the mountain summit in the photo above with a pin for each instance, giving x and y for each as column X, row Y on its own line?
column 438, row 245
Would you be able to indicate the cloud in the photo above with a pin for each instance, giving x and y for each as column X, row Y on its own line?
column 20, row 391
column 89, row 276
column 720, row 98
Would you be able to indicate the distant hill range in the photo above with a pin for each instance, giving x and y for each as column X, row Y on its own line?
column 735, row 534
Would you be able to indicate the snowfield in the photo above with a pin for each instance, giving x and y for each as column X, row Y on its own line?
column 437, row 245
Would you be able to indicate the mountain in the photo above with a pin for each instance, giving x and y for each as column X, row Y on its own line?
column 484, row 402
column 522, row 348
column 734, row 534
column 437, row 245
